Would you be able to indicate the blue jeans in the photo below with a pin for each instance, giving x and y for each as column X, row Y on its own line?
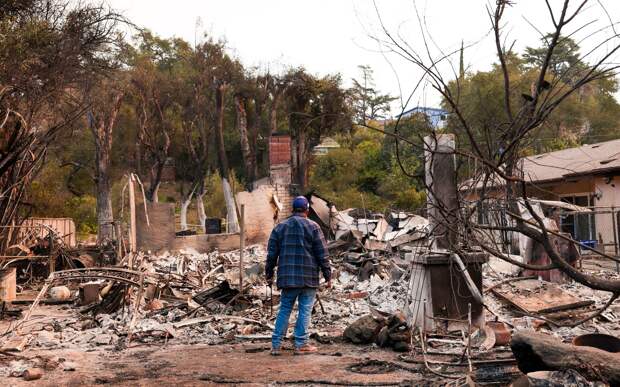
column 305, row 298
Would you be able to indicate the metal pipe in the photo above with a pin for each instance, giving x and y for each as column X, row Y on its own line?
column 471, row 369
column 424, row 317
column 614, row 219
column 52, row 260
column 475, row 293
column 428, row 367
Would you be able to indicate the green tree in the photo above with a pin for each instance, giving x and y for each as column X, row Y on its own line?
column 589, row 114
column 367, row 103
column 564, row 60
column 593, row 114
column 316, row 107
column 365, row 174
column 157, row 67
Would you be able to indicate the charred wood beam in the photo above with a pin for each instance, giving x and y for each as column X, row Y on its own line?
column 539, row 352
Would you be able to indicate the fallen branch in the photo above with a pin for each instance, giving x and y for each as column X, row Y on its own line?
column 595, row 314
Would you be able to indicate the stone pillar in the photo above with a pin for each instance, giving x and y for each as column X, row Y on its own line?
column 442, row 200
column 439, row 293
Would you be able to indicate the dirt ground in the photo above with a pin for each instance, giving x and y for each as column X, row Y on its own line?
column 246, row 363
column 237, row 364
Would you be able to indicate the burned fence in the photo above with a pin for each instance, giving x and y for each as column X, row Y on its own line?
column 590, row 232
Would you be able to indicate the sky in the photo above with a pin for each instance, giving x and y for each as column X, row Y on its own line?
column 336, row 36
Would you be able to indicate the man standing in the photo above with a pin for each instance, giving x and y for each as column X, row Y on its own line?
column 298, row 248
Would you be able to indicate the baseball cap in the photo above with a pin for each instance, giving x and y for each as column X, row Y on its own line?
column 300, row 203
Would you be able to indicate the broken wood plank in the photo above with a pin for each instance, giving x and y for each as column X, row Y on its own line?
column 243, row 319
column 569, row 314
column 192, row 321
column 15, row 344
column 407, row 238
column 45, row 301
column 534, row 296
column 373, row 244
column 199, row 320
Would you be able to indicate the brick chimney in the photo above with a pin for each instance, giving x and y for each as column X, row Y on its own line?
column 280, row 171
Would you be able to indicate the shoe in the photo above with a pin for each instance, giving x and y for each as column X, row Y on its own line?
column 305, row 349
column 275, row 351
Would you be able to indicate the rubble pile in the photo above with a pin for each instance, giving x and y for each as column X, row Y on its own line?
column 553, row 310
column 189, row 269
column 355, row 228
column 190, row 297
column 194, row 298
column 559, row 305
column 375, row 227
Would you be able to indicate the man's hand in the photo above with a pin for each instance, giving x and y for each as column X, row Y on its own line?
column 328, row 284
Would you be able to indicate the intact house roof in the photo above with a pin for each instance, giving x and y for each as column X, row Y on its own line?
column 431, row 111
column 436, row 116
column 586, row 159
column 328, row 142
column 589, row 159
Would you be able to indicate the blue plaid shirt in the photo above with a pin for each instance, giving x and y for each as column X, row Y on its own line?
column 298, row 248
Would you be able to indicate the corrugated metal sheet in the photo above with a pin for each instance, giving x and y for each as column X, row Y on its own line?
column 65, row 227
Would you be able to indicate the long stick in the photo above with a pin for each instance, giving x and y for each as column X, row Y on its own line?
column 242, row 245
column 270, row 300
column 136, row 309
column 318, row 298
column 42, row 292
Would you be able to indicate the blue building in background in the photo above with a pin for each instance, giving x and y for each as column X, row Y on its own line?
column 437, row 117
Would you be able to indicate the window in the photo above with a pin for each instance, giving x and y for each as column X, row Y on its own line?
column 580, row 226
column 483, row 213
